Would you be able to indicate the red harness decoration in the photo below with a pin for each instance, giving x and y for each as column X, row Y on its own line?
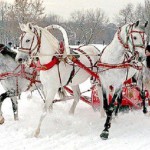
column 21, row 73
column 51, row 64
column 47, row 66
column 118, row 66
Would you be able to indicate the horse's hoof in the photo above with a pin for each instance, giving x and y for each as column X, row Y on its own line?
column 71, row 112
column 145, row 110
column 29, row 97
column 37, row 133
column 104, row 135
column 16, row 118
column 2, row 119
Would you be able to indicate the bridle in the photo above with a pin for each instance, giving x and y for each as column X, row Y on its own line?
column 130, row 39
column 31, row 49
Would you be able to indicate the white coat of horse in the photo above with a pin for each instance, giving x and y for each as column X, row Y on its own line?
column 37, row 41
column 14, row 85
column 127, row 46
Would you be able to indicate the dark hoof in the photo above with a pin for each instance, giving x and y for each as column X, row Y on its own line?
column 104, row 135
column 145, row 110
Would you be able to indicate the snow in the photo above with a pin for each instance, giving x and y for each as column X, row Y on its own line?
column 60, row 131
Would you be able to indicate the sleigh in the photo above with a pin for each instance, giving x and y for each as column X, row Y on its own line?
column 131, row 97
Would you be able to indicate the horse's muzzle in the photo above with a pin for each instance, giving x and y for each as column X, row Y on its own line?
column 20, row 60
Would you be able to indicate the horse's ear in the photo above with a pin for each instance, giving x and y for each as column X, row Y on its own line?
column 22, row 26
column 146, row 23
column 137, row 23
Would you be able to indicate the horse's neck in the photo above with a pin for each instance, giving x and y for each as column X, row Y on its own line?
column 113, row 53
column 47, row 49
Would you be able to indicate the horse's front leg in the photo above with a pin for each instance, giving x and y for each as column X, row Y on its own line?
column 15, row 107
column 3, row 96
column 29, row 95
column 109, row 110
column 50, row 94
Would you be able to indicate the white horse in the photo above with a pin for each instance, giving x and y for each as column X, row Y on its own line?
column 37, row 41
column 127, row 46
column 14, row 85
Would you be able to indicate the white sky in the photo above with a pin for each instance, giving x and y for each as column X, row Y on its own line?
column 65, row 7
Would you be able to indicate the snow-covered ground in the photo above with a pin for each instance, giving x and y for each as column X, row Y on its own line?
column 60, row 131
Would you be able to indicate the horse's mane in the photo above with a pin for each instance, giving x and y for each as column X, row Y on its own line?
column 7, row 51
column 52, row 40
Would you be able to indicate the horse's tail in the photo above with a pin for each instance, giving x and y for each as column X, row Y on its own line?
column 62, row 93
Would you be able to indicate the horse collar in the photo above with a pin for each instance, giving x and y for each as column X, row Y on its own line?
column 47, row 66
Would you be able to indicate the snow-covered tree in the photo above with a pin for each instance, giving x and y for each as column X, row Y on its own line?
column 85, row 25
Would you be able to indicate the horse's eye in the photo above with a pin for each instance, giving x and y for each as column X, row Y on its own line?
column 27, row 41
column 134, row 37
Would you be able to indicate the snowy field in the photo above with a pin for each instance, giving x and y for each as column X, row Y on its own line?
column 60, row 131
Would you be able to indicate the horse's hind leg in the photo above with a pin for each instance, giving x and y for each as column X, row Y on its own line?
column 29, row 95
column 15, row 107
column 77, row 93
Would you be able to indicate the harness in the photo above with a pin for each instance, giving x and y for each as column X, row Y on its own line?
column 31, row 48
column 21, row 73
column 130, row 54
column 127, row 62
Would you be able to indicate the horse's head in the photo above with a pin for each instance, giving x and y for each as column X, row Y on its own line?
column 134, row 39
column 36, row 40
column 29, row 42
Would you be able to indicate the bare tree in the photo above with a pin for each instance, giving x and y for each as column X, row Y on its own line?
column 130, row 14
column 4, row 8
column 20, row 11
column 52, row 18
column 84, row 25
column 27, row 10
column 126, row 15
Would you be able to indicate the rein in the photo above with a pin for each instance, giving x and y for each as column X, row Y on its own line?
column 22, row 73
column 47, row 66
column 118, row 66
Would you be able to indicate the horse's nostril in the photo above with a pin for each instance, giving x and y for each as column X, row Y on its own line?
column 20, row 60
